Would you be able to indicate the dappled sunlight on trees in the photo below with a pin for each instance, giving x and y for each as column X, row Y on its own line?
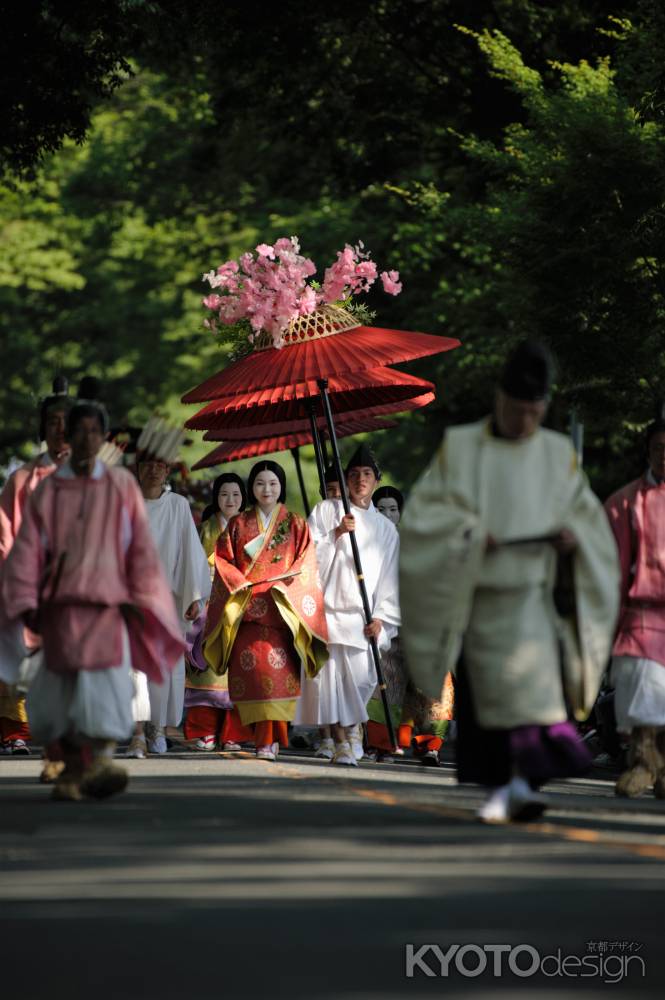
column 505, row 156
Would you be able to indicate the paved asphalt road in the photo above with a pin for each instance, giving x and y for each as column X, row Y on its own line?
column 227, row 877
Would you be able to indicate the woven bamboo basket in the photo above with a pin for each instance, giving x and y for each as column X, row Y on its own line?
column 325, row 321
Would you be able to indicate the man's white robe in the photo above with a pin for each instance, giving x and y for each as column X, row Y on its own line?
column 343, row 687
column 499, row 606
column 186, row 567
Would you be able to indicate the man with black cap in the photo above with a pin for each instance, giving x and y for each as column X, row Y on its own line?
column 338, row 696
column 14, row 729
column 501, row 513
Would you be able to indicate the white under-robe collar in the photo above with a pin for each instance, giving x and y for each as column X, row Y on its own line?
column 264, row 519
column 66, row 472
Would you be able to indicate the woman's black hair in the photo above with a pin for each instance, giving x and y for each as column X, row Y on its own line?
column 226, row 477
column 267, row 467
column 385, row 492
column 86, row 408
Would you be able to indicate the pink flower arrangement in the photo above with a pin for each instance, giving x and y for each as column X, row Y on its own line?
column 270, row 288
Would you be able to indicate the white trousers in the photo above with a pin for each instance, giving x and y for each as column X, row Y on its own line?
column 140, row 697
column 639, row 692
column 92, row 703
column 340, row 691
column 167, row 700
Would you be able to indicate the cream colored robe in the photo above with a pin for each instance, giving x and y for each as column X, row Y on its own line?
column 499, row 606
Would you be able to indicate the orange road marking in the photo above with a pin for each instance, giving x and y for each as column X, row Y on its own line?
column 578, row 834
column 573, row 833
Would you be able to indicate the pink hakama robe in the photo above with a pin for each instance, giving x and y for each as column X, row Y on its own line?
column 15, row 641
column 637, row 518
column 85, row 560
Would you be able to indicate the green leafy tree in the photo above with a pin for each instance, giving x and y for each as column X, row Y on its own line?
column 377, row 122
column 58, row 59
column 566, row 243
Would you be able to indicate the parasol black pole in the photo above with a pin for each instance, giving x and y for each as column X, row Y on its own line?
column 323, row 387
column 316, row 441
column 324, row 451
column 295, row 452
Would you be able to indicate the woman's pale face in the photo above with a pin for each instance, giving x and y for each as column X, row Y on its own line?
column 267, row 488
column 229, row 500
column 389, row 508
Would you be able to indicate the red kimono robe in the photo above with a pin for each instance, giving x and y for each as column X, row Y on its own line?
column 260, row 629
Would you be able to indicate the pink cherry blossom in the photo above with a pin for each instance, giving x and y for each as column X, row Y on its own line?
column 308, row 301
column 366, row 269
column 271, row 289
column 212, row 301
column 391, row 283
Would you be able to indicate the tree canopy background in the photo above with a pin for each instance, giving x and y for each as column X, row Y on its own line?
column 506, row 156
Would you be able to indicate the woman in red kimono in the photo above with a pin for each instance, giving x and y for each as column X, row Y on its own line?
column 266, row 617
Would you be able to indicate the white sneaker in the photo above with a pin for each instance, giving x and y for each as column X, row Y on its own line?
column 515, row 801
column 344, row 755
column 158, row 744
column 268, row 752
column 137, row 748
column 496, row 807
column 524, row 803
column 326, row 750
column 232, row 747
column 356, row 741
column 20, row 748
column 206, row 743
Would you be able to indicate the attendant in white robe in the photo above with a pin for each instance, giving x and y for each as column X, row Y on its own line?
column 498, row 523
column 186, row 568
column 338, row 696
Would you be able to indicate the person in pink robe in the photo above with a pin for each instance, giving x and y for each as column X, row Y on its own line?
column 637, row 517
column 14, row 728
column 85, row 574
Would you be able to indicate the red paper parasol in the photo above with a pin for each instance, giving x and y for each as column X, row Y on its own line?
column 249, row 430
column 321, row 352
column 234, row 451
column 353, row 391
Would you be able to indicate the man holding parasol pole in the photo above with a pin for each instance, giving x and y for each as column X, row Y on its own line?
column 359, row 624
